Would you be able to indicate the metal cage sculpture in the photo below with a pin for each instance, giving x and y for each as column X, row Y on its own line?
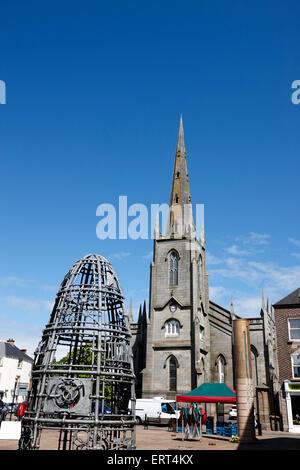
column 85, row 395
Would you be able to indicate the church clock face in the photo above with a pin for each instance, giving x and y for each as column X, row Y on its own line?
column 173, row 308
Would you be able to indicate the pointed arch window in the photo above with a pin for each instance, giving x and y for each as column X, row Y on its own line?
column 173, row 374
column 254, row 356
column 221, row 369
column 174, row 268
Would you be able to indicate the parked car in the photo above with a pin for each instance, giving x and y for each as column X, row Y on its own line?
column 12, row 407
column 107, row 410
column 233, row 412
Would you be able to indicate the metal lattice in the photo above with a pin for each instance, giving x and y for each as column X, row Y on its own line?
column 84, row 396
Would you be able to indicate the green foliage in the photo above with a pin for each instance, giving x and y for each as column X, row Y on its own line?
column 85, row 358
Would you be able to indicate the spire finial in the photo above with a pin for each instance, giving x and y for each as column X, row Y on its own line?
column 232, row 308
column 263, row 305
column 130, row 312
column 157, row 228
column 180, row 147
column 202, row 235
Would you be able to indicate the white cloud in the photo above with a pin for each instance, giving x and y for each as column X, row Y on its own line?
column 257, row 239
column 235, row 250
column 280, row 280
column 28, row 304
column 247, row 306
column 211, row 259
column 294, row 241
column 148, row 255
column 16, row 281
column 217, row 293
column 120, row 255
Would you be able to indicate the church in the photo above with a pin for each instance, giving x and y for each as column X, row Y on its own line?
column 185, row 339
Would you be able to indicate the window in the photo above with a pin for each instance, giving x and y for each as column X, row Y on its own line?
column 174, row 268
column 296, row 366
column 167, row 408
column 172, row 328
column 20, row 362
column 254, row 356
column 201, row 332
column 1, row 361
column 173, row 374
column 221, row 369
column 294, row 328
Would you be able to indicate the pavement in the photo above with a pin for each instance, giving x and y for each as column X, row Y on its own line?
column 159, row 438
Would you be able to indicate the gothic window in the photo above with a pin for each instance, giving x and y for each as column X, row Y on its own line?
column 254, row 356
column 202, row 369
column 199, row 273
column 221, row 369
column 172, row 328
column 172, row 374
column 174, row 268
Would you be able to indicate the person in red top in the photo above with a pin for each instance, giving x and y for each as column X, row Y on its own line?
column 203, row 416
column 21, row 409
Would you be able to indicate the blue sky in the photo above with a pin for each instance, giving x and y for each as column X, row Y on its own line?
column 94, row 94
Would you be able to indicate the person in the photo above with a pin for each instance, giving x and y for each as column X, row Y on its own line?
column 3, row 410
column 204, row 419
column 21, row 409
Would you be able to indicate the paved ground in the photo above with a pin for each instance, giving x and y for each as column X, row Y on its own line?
column 159, row 438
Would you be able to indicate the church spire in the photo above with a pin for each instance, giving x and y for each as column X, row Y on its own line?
column 180, row 139
column 180, row 219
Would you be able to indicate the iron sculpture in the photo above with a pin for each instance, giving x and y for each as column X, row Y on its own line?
column 84, row 395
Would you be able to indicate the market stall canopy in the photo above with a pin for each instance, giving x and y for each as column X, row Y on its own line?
column 209, row 393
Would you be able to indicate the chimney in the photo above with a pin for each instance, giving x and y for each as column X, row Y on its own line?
column 24, row 351
column 11, row 341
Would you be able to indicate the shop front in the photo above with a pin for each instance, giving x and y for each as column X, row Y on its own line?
column 292, row 397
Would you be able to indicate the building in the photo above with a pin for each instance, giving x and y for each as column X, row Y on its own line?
column 186, row 339
column 287, row 319
column 15, row 372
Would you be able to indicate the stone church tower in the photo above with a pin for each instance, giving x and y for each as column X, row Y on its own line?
column 186, row 339
column 177, row 358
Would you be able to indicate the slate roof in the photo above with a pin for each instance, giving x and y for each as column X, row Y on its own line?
column 9, row 350
column 291, row 299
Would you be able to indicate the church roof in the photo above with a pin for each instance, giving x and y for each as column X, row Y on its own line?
column 291, row 299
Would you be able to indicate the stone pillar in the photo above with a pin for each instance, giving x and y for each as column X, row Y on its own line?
column 243, row 380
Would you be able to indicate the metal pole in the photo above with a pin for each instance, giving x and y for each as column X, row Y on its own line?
column 14, row 395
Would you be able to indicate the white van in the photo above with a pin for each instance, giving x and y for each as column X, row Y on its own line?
column 156, row 408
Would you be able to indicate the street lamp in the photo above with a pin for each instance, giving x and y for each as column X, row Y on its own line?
column 13, row 401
